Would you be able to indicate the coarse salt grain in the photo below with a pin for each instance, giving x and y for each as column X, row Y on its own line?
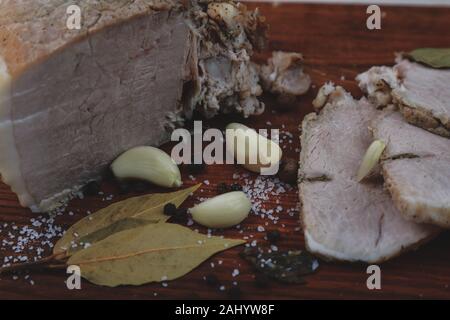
column 29, row 242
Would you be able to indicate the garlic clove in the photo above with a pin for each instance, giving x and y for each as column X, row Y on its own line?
column 370, row 159
column 147, row 163
column 223, row 211
column 252, row 150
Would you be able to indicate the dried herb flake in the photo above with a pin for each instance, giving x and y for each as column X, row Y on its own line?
column 287, row 266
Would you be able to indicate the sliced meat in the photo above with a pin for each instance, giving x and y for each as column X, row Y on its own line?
column 344, row 219
column 422, row 94
column 416, row 169
column 73, row 100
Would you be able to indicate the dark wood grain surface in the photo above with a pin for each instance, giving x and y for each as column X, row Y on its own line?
column 337, row 46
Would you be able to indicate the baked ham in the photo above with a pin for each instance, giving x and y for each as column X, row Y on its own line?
column 342, row 218
column 416, row 169
column 422, row 94
column 73, row 100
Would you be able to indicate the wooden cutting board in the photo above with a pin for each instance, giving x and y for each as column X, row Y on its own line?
column 337, row 46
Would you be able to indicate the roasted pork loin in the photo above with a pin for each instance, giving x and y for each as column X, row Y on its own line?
column 73, row 100
column 344, row 219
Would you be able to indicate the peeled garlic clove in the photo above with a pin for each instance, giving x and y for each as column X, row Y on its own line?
column 370, row 159
column 223, row 211
column 253, row 151
column 147, row 163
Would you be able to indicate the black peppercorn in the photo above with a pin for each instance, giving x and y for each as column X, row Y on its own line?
column 273, row 236
column 288, row 170
column 222, row 188
column 180, row 215
column 211, row 280
column 91, row 189
column 182, row 212
column 170, row 209
column 236, row 187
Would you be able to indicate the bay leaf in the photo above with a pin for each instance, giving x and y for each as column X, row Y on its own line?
column 152, row 253
column 433, row 57
column 98, row 235
column 147, row 207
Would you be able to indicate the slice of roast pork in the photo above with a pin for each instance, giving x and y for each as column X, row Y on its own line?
column 422, row 94
column 416, row 169
column 343, row 219
column 73, row 100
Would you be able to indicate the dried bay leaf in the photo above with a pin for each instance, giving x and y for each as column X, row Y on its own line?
column 98, row 235
column 152, row 253
column 433, row 57
column 147, row 207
